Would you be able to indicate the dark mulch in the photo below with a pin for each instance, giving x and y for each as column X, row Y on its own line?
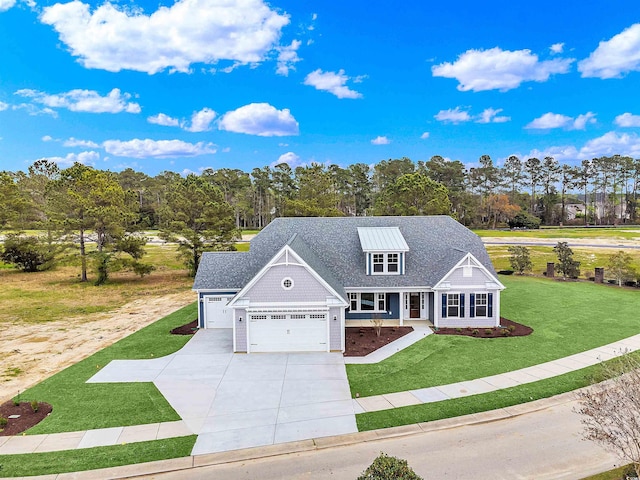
column 186, row 329
column 514, row 330
column 28, row 418
column 361, row 341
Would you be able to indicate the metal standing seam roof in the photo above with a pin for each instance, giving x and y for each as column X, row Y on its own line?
column 382, row 239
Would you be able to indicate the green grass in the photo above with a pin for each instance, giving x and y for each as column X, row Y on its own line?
column 93, row 458
column 242, row 247
column 626, row 233
column 80, row 406
column 567, row 318
column 589, row 258
column 615, row 474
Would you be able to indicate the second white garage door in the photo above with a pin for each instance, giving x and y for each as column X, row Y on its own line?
column 288, row 332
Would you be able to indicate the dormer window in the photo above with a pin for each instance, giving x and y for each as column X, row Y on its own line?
column 385, row 250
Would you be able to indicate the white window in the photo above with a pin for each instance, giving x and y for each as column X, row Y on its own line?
column 378, row 262
column 453, row 305
column 368, row 302
column 385, row 263
column 481, row 304
column 287, row 283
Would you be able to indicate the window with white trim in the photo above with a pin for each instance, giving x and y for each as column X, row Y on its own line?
column 385, row 263
column 453, row 305
column 481, row 304
column 368, row 302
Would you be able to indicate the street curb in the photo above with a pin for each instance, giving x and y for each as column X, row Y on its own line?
column 195, row 461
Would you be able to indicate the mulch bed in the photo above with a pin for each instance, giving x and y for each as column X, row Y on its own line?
column 514, row 330
column 186, row 329
column 28, row 418
column 361, row 341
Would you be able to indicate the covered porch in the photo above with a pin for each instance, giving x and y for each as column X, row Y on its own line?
column 392, row 307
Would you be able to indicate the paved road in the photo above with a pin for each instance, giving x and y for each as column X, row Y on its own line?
column 553, row 244
column 542, row 445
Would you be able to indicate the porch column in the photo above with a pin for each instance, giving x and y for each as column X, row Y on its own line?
column 401, row 295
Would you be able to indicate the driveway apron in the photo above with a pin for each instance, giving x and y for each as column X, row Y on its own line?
column 235, row 401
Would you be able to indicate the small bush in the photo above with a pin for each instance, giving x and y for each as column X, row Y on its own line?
column 34, row 405
column 475, row 331
column 524, row 220
column 385, row 467
column 505, row 332
column 458, row 330
column 488, row 331
column 511, row 328
column 3, row 422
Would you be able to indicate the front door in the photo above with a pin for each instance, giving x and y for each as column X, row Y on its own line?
column 414, row 305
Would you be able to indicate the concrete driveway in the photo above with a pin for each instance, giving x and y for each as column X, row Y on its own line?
column 235, row 401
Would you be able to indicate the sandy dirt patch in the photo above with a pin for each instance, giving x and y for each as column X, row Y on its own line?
column 30, row 353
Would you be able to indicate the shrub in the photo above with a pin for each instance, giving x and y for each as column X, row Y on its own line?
column 505, row 332
column 511, row 328
column 458, row 330
column 524, row 220
column 475, row 331
column 34, row 405
column 3, row 422
column 488, row 331
column 520, row 259
column 28, row 253
column 385, row 467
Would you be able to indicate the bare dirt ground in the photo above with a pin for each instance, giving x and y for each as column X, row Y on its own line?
column 32, row 352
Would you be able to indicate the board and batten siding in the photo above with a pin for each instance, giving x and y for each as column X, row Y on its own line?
column 306, row 288
column 478, row 277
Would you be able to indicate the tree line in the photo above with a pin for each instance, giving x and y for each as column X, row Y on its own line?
column 205, row 211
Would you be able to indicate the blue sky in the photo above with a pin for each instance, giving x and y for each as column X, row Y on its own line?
column 195, row 84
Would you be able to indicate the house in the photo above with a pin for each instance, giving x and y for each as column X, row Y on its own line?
column 305, row 279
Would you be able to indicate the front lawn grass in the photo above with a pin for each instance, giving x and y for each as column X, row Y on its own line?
column 49, row 463
column 566, row 317
column 80, row 406
column 507, row 397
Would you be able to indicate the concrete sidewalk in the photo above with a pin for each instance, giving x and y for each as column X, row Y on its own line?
column 118, row 435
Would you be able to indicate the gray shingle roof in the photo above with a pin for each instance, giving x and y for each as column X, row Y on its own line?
column 331, row 246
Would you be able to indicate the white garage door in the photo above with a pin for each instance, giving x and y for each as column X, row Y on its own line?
column 216, row 313
column 288, row 332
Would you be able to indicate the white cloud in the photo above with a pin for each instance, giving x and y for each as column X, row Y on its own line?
column 612, row 143
column 201, row 121
column 289, row 158
column 260, row 119
column 424, row 136
column 33, row 110
column 453, row 115
column 555, row 120
column 6, row 5
column 147, row 148
column 84, row 101
column 380, row 140
column 3, row 106
column 498, row 69
column 115, row 37
column 557, row 48
column 563, row 154
column 164, row 120
column 614, row 57
column 490, row 115
column 85, row 158
column 288, row 57
column 628, row 120
column 226, row 150
column 333, row 82
column 47, row 138
column 74, row 142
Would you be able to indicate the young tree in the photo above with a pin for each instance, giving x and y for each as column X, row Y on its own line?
column 198, row 219
column 611, row 409
column 620, row 266
column 520, row 259
column 29, row 253
column 12, row 201
column 413, row 194
column 566, row 265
